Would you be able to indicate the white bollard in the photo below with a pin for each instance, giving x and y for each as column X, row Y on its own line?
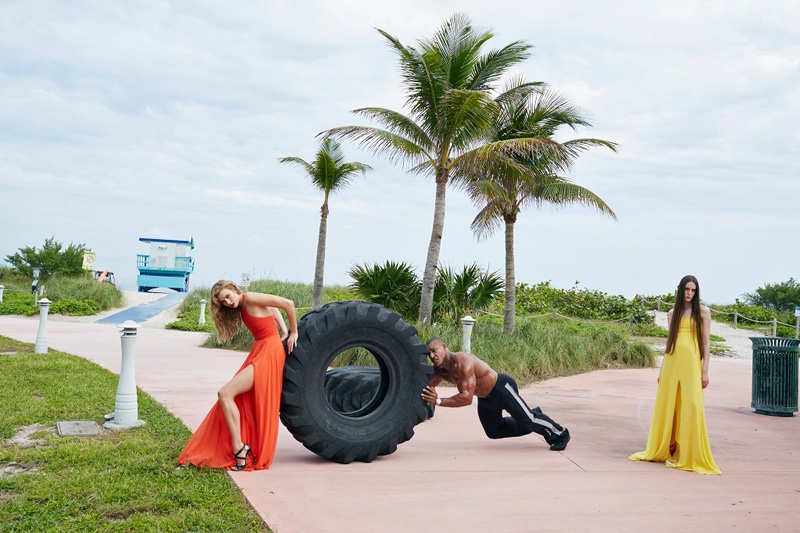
column 126, row 409
column 41, row 334
column 202, row 312
column 2, row 288
column 466, row 329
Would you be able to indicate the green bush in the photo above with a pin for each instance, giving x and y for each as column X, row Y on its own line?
column 75, row 307
column 68, row 296
column 754, row 317
column 580, row 303
column 104, row 295
column 18, row 303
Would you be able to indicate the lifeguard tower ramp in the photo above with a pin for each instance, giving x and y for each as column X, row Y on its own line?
column 168, row 265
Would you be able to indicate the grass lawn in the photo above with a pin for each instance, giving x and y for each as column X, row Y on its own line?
column 117, row 481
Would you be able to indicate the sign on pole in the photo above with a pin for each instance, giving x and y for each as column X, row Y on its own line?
column 88, row 260
column 797, row 311
column 245, row 279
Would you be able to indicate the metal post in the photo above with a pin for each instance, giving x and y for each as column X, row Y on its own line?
column 41, row 334
column 2, row 288
column 466, row 329
column 202, row 312
column 796, row 326
column 126, row 409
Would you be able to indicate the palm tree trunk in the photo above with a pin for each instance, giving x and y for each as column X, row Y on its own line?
column 432, row 261
column 319, row 270
column 510, row 315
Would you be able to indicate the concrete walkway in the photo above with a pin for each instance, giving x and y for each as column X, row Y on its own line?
column 451, row 478
column 144, row 312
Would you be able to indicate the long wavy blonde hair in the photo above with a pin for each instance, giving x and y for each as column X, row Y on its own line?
column 227, row 319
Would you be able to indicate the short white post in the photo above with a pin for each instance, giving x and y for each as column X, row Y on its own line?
column 774, row 327
column 41, row 334
column 126, row 409
column 466, row 329
column 735, row 319
column 2, row 288
column 202, row 312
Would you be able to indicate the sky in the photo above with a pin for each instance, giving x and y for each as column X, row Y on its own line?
column 157, row 119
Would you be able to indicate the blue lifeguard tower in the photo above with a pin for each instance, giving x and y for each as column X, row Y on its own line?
column 168, row 265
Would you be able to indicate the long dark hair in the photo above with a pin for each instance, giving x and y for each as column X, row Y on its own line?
column 677, row 313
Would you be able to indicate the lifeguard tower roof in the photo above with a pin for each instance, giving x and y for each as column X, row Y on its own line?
column 175, row 241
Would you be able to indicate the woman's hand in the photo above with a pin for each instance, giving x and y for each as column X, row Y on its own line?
column 704, row 379
column 291, row 342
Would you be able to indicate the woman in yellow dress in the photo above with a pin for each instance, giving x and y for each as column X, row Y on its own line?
column 678, row 435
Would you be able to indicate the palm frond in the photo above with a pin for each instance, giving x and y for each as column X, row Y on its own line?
column 390, row 145
column 565, row 192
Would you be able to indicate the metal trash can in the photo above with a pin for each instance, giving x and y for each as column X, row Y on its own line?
column 775, row 375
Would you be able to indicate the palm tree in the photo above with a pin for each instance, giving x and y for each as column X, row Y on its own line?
column 393, row 285
column 448, row 81
column 329, row 172
column 468, row 291
column 502, row 195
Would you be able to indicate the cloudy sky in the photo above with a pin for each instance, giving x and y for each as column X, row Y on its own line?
column 122, row 120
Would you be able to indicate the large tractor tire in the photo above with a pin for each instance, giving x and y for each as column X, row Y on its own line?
column 348, row 433
column 350, row 388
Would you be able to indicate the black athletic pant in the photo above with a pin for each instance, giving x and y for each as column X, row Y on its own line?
column 523, row 419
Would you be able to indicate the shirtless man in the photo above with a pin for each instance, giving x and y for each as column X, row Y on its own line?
column 495, row 393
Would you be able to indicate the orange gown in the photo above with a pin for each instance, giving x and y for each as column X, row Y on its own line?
column 210, row 446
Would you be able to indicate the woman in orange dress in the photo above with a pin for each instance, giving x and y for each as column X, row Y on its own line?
column 241, row 430
column 678, row 435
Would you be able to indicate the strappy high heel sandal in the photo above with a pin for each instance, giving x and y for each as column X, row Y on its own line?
column 241, row 455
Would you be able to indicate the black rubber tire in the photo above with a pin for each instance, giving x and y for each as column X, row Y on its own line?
column 388, row 419
column 350, row 388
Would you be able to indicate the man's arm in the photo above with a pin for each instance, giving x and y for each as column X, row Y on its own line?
column 464, row 371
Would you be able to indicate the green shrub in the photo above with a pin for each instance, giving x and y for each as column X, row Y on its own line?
column 75, row 307
column 754, row 317
column 579, row 303
column 105, row 295
column 18, row 303
column 68, row 296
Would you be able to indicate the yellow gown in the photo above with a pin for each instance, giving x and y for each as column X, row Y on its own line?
column 679, row 411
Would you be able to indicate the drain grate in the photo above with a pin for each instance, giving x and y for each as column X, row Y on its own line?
column 81, row 428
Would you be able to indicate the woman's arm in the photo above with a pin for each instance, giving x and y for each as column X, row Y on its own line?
column 669, row 321
column 259, row 302
column 705, row 318
column 281, row 323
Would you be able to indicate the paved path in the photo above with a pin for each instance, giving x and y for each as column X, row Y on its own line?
column 144, row 312
column 451, row 478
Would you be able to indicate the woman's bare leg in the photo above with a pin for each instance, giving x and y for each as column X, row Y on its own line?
column 241, row 382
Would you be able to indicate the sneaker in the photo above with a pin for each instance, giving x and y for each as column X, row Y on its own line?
column 561, row 442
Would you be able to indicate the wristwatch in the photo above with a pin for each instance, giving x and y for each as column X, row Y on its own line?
column 438, row 401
